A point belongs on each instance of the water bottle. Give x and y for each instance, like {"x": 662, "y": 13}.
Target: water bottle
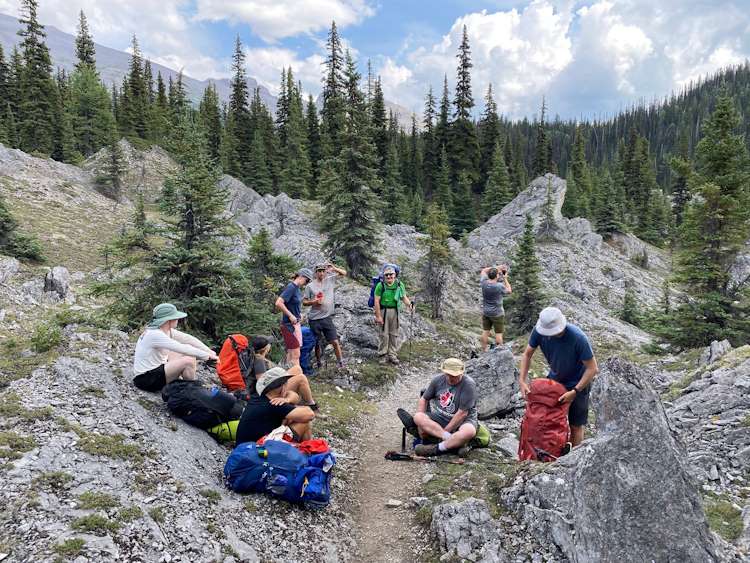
{"x": 214, "y": 391}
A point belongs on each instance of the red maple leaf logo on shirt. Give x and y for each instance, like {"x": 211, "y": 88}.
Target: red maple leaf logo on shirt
{"x": 446, "y": 399}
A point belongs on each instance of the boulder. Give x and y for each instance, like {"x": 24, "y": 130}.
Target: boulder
{"x": 496, "y": 376}
{"x": 57, "y": 281}
{"x": 466, "y": 530}
{"x": 624, "y": 495}
{"x": 8, "y": 267}
{"x": 715, "y": 351}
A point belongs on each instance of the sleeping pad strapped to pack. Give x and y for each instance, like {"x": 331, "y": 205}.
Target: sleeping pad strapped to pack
{"x": 280, "y": 470}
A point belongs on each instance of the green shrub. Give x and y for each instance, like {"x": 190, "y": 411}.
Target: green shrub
{"x": 71, "y": 548}
{"x": 157, "y": 514}
{"x": 724, "y": 519}
{"x": 129, "y": 514}
{"x": 96, "y": 524}
{"x": 92, "y": 500}
{"x": 46, "y": 337}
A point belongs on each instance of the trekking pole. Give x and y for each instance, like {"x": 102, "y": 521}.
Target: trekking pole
{"x": 411, "y": 328}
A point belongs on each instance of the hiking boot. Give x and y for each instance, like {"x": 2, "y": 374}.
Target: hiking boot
{"x": 382, "y": 360}
{"x": 427, "y": 450}
{"x": 463, "y": 451}
{"x": 394, "y": 360}
{"x": 408, "y": 421}
{"x": 566, "y": 449}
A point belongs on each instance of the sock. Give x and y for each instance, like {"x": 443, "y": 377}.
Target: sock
{"x": 441, "y": 447}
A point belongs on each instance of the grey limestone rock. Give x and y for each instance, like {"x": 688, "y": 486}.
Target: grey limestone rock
{"x": 57, "y": 281}
{"x": 715, "y": 351}
{"x": 636, "y": 455}
{"x": 8, "y": 267}
{"x": 496, "y": 376}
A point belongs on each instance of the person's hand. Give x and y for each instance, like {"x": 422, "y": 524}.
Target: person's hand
{"x": 278, "y": 401}
{"x": 525, "y": 389}
{"x": 379, "y": 320}
{"x": 567, "y": 397}
{"x": 212, "y": 356}
{"x": 292, "y": 319}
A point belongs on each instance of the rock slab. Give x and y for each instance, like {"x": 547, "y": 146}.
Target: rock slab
{"x": 496, "y": 376}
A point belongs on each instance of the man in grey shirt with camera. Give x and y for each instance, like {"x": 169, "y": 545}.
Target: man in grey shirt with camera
{"x": 493, "y": 290}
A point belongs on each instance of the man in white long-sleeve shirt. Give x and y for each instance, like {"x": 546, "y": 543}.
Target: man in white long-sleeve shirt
{"x": 163, "y": 353}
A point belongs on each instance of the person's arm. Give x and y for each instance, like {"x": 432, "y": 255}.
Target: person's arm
{"x": 378, "y": 316}
{"x": 506, "y": 283}
{"x": 291, "y": 398}
{"x": 592, "y": 368}
{"x": 339, "y": 271}
{"x": 160, "y": 340}
{"x": 281, "y": 306}
{"x": 299, "y": 414}
{"x": 456, "y": 421}
{"x": 524, "y": 372}
{"x": 483, "y": 274}
{"x": 405, "y": 298}
{"x": 185, "y": 338}
{"x": 309, "y": 298}
{"x": 422, "y": 405}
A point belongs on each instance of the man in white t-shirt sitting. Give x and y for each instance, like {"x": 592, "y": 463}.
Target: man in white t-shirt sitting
{"x": 164, "y": 354}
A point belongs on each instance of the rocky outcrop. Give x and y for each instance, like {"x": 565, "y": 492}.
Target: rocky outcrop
{"x": 8, "y": 267}
{"x": 57, "y": 282}
{"x": 496, "y": 376}
{"x": 606, "y": 500}
{"x": 715, "y": 351}
{"x": 466, "y": 530}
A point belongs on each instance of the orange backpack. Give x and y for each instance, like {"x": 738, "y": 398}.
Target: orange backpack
{"x": 235, "y": 362}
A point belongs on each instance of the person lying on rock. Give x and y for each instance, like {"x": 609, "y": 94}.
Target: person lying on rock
{"x": 297, "y": 386}
{"x": 164, "y": 354}
{"x": 494, "y": 284}
{"x": 273, "y": 406}
{"x": 452, "y": 417}
{"x": 571, "y": 362}
{"x": 319, "y": 296}
{"x": 290, "y": 304}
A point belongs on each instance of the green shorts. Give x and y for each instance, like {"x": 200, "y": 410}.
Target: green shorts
{"x": 498, "y": 323}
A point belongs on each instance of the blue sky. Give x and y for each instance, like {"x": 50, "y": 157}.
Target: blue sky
{"x": 588, "y": 58}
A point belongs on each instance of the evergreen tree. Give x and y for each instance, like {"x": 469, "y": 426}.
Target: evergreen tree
{"x": 629, "y": 312}
{"x": 527, "y": 293}
{"x": 329, "y": 183}
{"x": 15, "y": 243}
{"x": 417, "y": 209}
{"x": 37, "y": 99}
{"x": 239, "y": 137}
{"x": 333, "y": 114}
{"x": 463, "y": 142}
{"x": 393, "y": 200}
{"x": 443, "y": 124}
{"x": 210, "y": 121}
{"x": 542, "y": 162}
{"x": 258, "y": 174}
{"x": 443, "y": 191}
{"x": 90, "y": 110}
{"x": 85, "y": 50}
{"x": 608, "y": 214}
{"x": 63, "y": 141}
{"x": 547, "y": 223}
{"x": 314, "y": 149}
{"x": 296, "y": 173}
{"x": 430, "y": 161}
{"x": 715, "y": 226}
{"x": 148, "y": 79}
{"x": 497, "y": 193}
{"x": 437, "y": 258}
{"x": 349, "y": 214}
{"x": 489, "y": 135}
{"x": 666, "y": 300}
{"x": 463, "y": 218}
{"x": 680, "y": 189}
{"x": 581, "y": 176}
{"x": 159, "y": 119}
{"x": 110, "y": 181}
{"x": 135, "y": 104}
{"x": 379, "y": 128}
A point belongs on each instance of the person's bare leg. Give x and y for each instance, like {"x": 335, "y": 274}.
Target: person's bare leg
{"x": 427, "y": 426}
{"x": 300, "y": 385}
{"x": 460, "y": 437}
{"x": 292, "y": 357}
{"x": 337, "y": 349}
{"x": 576, "y": 434}
{"x": 499, "y": 338}
{"x": 178, "y": 365}
{"x": 485, "y": 339}
{"x": 303, "y": 430}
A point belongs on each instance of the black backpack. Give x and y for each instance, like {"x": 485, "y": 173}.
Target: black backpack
{"x": 201, "y": 407}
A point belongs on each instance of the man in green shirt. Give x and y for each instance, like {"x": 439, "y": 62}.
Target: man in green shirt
{"x": 389, "y": 294}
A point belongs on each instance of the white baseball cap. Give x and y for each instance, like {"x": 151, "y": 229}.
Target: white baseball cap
{"x": 551, "y": 321}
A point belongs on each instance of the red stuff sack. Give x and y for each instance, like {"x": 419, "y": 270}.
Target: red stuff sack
{"x": 235, "y": 362}
{"x": 544, "y": 429}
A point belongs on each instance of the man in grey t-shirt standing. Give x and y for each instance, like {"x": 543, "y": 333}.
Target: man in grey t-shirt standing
{"x": 452, "y": 418}
{"x": 493, "y": 314}
{"x": 319, "y": 296}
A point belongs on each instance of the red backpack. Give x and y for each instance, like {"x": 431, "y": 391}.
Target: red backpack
{"x": 235, "y": 362}
{"x": 544, "y": 429}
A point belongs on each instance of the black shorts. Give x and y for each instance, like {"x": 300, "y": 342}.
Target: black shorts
{"x": 578, "y": 415}
{"x": 324, "y": 328}
{"x": 152, "y": 380}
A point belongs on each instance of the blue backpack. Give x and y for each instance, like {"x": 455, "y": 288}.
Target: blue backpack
{"x": 306, "y": 352}
{"x": 281, "y": 470}
{"x": 377, "y": 279}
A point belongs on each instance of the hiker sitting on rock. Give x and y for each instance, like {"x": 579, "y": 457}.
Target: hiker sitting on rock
{"x": 571, "y": 361}
{"x": 298, "y": 385}
{"x": 272, "y": 407}
{"x": 319, "y": 296}
{"x": 452, "y": 417}
{"x": 163, "y": 353}
{"x": 494, "y": 283}
{"x": 389, "y": 294}
{"x": 290, "y": 304}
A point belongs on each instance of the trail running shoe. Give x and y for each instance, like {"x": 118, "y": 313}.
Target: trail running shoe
{"x": 408, "y": 421}
{"x": 427, "y": 450}
{"x": 463, "y": 451}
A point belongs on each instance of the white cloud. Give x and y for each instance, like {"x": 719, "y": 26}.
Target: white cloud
{"x": 275, "y": 19}
{"x": 265, "y": 64}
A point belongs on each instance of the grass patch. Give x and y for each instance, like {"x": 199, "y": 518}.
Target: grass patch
{"x": 687, "y": 360}
{"x": 342, "y": 410}
{"x": 724, "y": 518}
{"x": 109, "y": 446}
{"x": 372, "y": 374}
{"x": 129, "y": 514}
{"x": 71, "y": 548}
{"x": 13, "y": 366}
{"x": 421, "y": 352}
{"x": 13, "y": 445}
{"x": 145, "y": 483}
{"x": 424, "y": 516}
{"x": 157, "y": 514}
{"x": 46, "y": 336}
{"x": 97, "y": 392}
{"x": 91, "y": 500}
{"x": 250, "y": 506}
{"x": 95, "y": 524}
{"x": 676, "y": 388}
{"x": 211, "y": 495}
{"x": 11, "y": 407}
{"x": 53, "y": 480}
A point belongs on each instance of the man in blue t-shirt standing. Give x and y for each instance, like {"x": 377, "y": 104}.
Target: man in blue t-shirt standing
{"x": 290, "y": 304}
{"x": 571, "y": 361}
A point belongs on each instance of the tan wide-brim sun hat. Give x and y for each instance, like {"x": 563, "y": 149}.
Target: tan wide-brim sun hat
{"x": 452, "y": 366}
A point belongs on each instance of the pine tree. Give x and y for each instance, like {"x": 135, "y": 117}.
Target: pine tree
{"x": 443, "y": 124}
{"x": 430, "y": 161}
{"x": 349, "y": 214}
{"x": 329, "y": 183}
{"x": 15, "y": 243}
{"x": 393, "y": 200}
{"x": 210, "y": 121}
{"x": 258, "y": 174}
{"x": 680, "y": 165}
{"x": 608, "y": 214}
{"x": 463, "y": 142}
{"x": 629, "y": 312}
{"x": 296, "y": 172}
{"x": 333, "y": 114}
{"x": 497, "y": 193}
{"x": 85, "y": 50}
{"x": 379, "y": 128}
{"x": 135, "y": 105}
{"x": 90, "y": 110}
{"x": 148, "y": 80}
{"x": 63, "y": 140}
{"x": 715, "y": 226}
{"x": 580, "y": 173}
{"x": 489, "y": 135}
{"x": 159, "y": 116}
{"x": 417, "y": 209}
{"x": 666, "y": 300}
{"x": 37, "y": 93}
{"x": 314, "y": 149}
{"x": 547, "y": 223}
{"x": 110, "y": 181}
{"x": 463, "y": 218}
{"x": 527, "y": 293}
{"x": 437, "y": 259}
{"x": 239, "y": 134}
{"x": 443, "y": 191}
{"x": 542, "y": 147}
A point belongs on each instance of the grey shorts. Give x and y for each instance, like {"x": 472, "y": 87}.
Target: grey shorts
{"x": 443, "y": 423}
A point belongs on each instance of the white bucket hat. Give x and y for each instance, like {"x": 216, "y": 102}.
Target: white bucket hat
{"x": 551, "y": 321}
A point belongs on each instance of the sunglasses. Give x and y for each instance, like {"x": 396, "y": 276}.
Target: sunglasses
{"x": 389, "y": 275}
